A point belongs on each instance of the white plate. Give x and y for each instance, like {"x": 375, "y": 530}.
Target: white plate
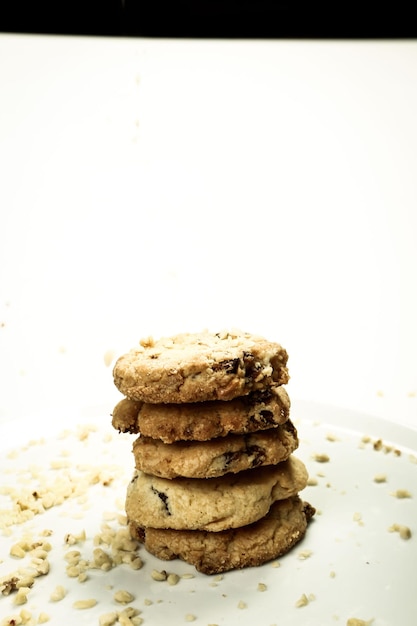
{"x": 356, "y": 568}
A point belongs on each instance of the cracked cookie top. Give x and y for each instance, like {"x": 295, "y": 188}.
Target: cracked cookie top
{"x": 198, "y": 367}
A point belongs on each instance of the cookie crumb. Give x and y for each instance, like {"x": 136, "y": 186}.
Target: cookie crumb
{"x": 404, "y": 531}
{"x": 22, "y": 596}
{"x": 26, "y": 617}
{"x": 9, "y": 585}
{"x": 129, "y": 617}
{"x": 173, "y": 579}
{"x": 302, "y": 601}
{"x": 159, "y": 575}
{"x": 123, "y": 597}
{"x": 43, "y": 618}
{"x": 380, "y": 478}
{"x": 242, "y": 605}
{"x": 331, "y": 437}
{"x": 147, "y": 342}
{"x": 73, "y": 571}
{"x": 17, "y": 550}
{"x": 58, "y": 594}
{"x": 305, "y": 554}
{"x": 379, "y": 445}
{"x": 190, "y": 617}
{"x": 108, "y": 357}
{"x": 262, "y": 587}
{"x": 401, "y": 493}
{"x": 312, "y": 482}
{"x": 84, "y": 604}
{"x": 354, "y": 621}
{"x": 321, "y": 458}
{"x": 102, "y": 560}
{"x": 108, "y": 619}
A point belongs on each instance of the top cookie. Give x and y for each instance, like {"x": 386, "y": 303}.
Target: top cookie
{"x": 200, "y": 367}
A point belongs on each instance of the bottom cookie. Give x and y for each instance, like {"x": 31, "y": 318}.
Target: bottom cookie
{"x": 248, "y": 546}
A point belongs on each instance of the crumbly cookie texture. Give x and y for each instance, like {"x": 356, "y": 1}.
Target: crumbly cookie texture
{"x": 200, "y": 421}
{"x": 200, "y": 367}
{"x": 212, "y": 504}
{"x": 125, "y": 416}
{"x": 214, "y": 552}
{"x": 216, "y": 457}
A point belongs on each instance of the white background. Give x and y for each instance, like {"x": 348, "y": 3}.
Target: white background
{"x": 149, "y": 187}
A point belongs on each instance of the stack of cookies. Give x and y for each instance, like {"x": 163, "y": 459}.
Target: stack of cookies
{"x": 215, "y": 480}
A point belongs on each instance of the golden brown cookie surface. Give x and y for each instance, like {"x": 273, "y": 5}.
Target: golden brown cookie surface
{"x": 197, "y": 367}
{"x": 212, "y": 503}
{"x": 200, "y": 421}
{"x": 214, "y": 552}
{"x": 216, "y": 457}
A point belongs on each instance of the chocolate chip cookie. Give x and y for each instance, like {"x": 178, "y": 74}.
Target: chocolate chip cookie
{"x": 214, "y": 552}
{"x": 212, "y": 504}
{"x": 200, "y": 367}
{"x": 200, "y": 421}
{"x": 216, "y": 457}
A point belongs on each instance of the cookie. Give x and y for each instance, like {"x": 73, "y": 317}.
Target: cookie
{"x": 125, "y": 416}
{"x": 200, "y": 421}
{"x": 214, "y": 552}
{"x": 216, "y": 457}
{"x": 212, "y": 503}
{"x": 200, "y": 367}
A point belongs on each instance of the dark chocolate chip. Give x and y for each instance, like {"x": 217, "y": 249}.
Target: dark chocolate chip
{"x": 264, "y": 418}
{"x": 139, "y": 533}
{"x": 163, "y": 496}
{"x": 258, "y": 455}
{"x": 252, "y": 367}
{"x": 290, "y": 428}
{"x": 230, "y": 366}
{"x": 255, "y": 451}
{"x": 230, "y": 457}
{"x": 257, "y": 397}
{"x": 267, "y": 417}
